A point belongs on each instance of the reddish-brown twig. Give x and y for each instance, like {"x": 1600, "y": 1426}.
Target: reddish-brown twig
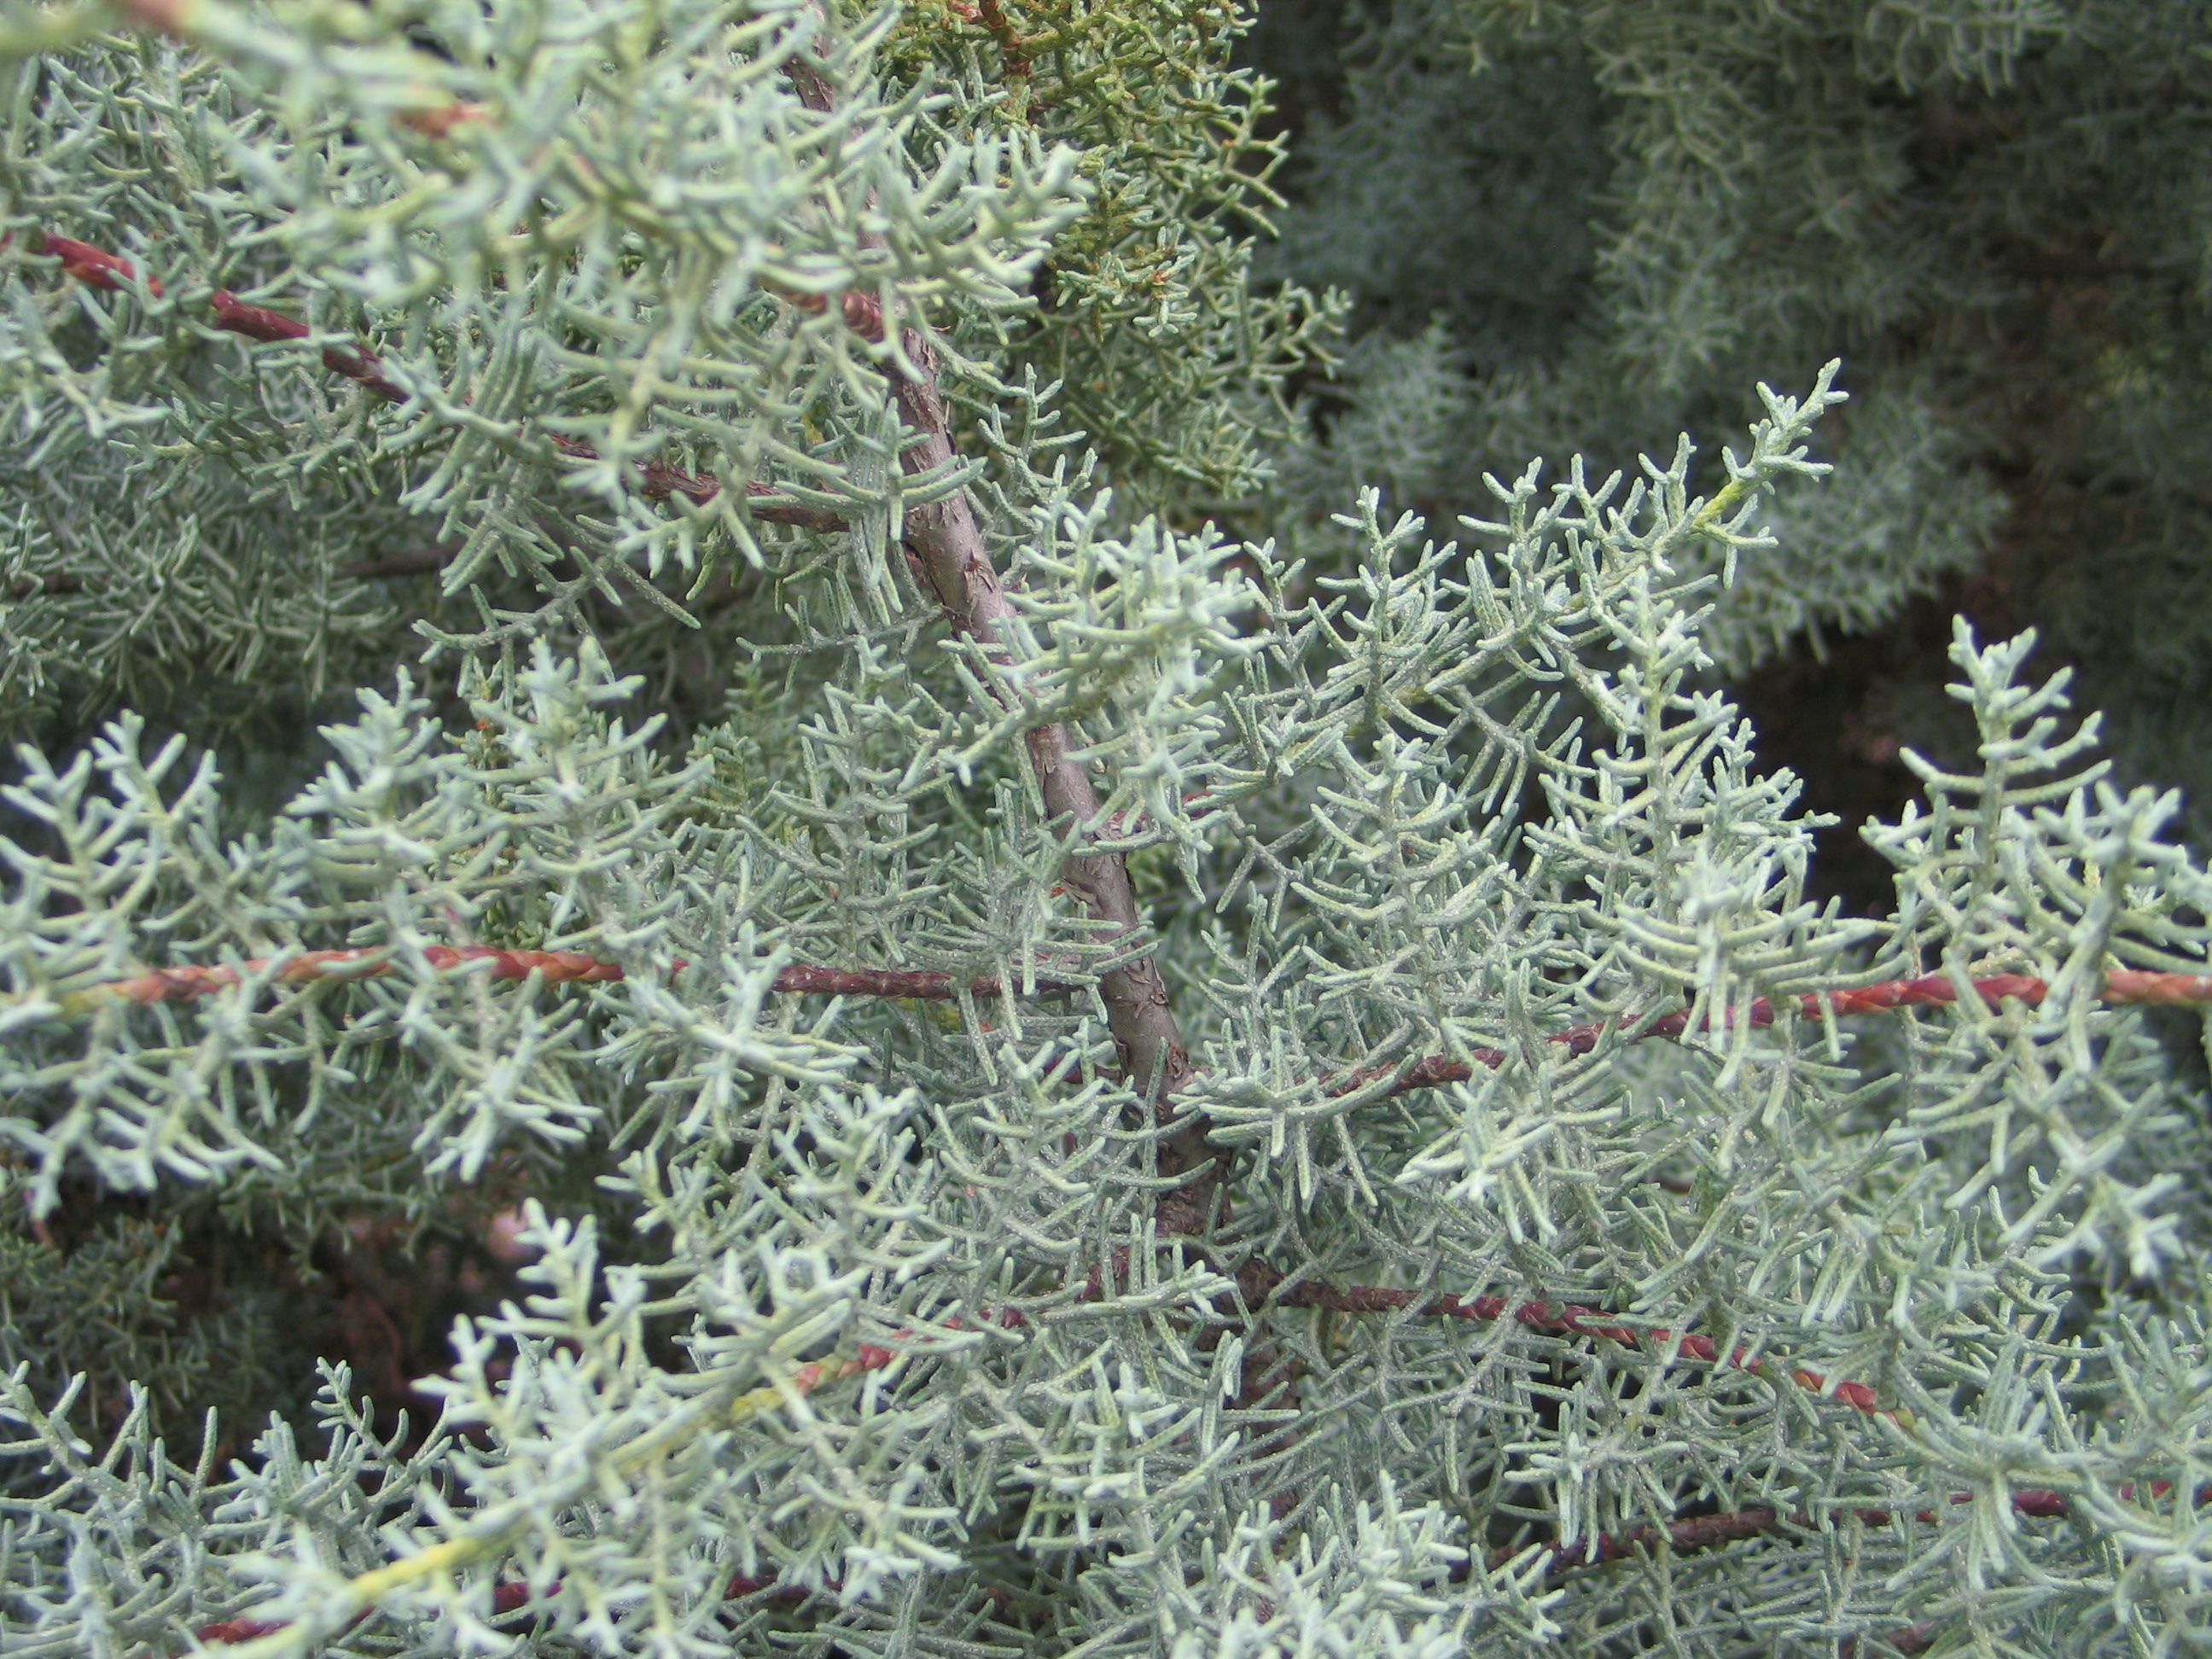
{"x": 657, "y": 481}
{"x": 1432, "y": 1071}
{"x": 1557, "y": 1319}
{"x": 1931, "y": 991}
{"x": 273, "y": 328}
{"x": 97, "y": 268}
{"x": 898, "y": 983}
{"x": 1013, "y": 47}
{"x": 1701, "y": 1532}
{"x": 182, "y": 984}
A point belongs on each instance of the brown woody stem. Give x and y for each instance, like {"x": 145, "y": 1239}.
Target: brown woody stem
{"x": 1429, "y": 1071}
{"x": 97, "y": 268}
{"x": 947, "y": 542}
{"x": 182, "y": 984}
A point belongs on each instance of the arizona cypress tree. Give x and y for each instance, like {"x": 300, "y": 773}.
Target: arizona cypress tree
{"x": 958, "y": 1061}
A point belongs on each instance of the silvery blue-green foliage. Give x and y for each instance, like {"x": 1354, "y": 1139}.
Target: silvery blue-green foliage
{"x": 584, "y": 241}
{"x": 1977, "y": 204}
{"x": 1401, "y": 856}
{"x": 111, "y": 593}
{"x": 847, "y": 1324}
{"x": 1690, "y": 218}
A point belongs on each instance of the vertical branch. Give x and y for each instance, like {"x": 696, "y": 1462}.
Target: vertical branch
{"x": 948, "y": 546}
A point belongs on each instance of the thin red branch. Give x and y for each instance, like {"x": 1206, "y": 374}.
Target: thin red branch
{"x": 657, "y": 481}
{"x": 97, "y": 268}
{"x": 1432, "y": 1071}
{"x": 94, "y": 267}
{"x": 1703, "y": 1532}
{"x": 182, "y": 984}
{"x": 1560, "y": 1319}
{"x": 273, "y": 328}
{"x": 1932, "y": 991}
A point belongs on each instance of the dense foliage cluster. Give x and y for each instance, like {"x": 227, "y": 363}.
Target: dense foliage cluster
{"x": 935, "y": 988}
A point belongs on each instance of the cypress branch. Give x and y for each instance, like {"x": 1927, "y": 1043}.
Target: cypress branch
{"x": 656, "y": 481}
{"x": 1090, "y": 1324}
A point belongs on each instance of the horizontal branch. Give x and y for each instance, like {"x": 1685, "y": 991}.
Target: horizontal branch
{"x": 192, "y": 981}
{"x": 97, "y": 268}
{"x": 897, "y": 983}
{"x": 1703, "y": 1532}
{"x": 1683, "y": 1535}
{"x": 1432, "y": 1071}
{"x": 657, "y": 481}
{"x": 1555, "y": 1319}
{"x": 182, "y": 984}
{"x": 1932, "y": 991}
{"x": 554, "y": 968}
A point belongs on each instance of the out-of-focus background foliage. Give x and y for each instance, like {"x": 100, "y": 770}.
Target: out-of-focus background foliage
{"x": 1587, "y": 225}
